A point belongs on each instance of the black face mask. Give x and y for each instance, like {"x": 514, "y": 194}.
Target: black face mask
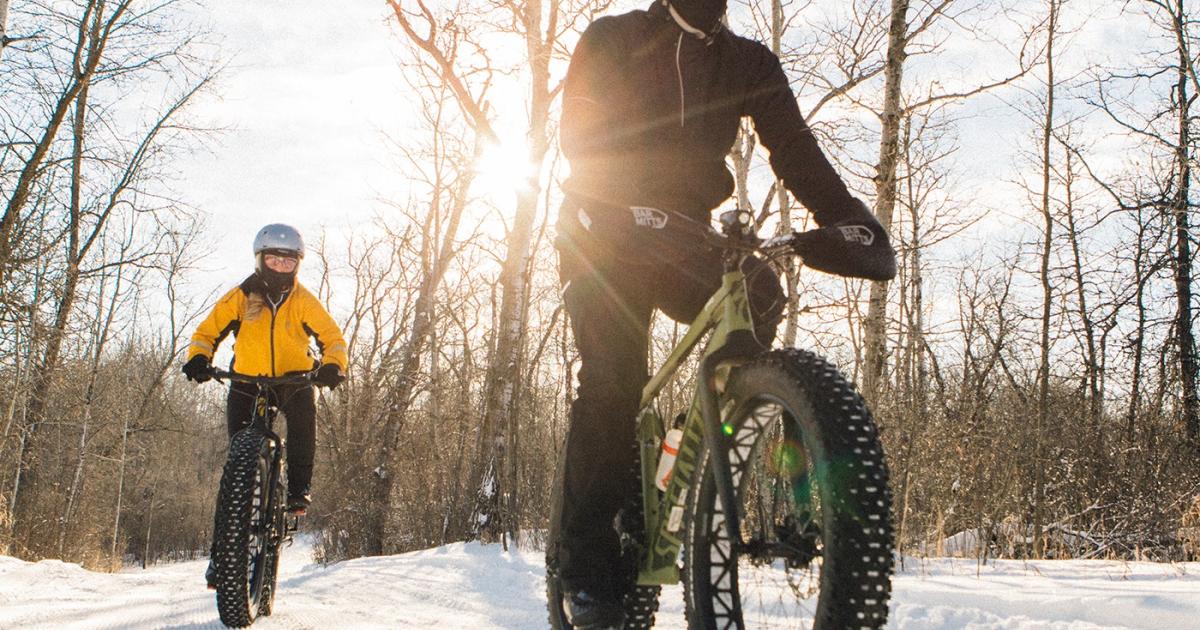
{"x": 704, "y": 15}
{"x": 277, "y": 282}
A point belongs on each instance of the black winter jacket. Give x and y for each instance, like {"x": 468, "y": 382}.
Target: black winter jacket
{"x": 650, "y": 113}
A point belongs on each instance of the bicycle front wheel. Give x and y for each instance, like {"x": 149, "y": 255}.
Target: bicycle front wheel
{"x": 812, "y": 495}
{"x": 275, "y": 534}
{"x": 241, "y": 534}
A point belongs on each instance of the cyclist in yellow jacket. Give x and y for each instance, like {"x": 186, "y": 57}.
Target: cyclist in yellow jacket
{"x": 272, "y": 317}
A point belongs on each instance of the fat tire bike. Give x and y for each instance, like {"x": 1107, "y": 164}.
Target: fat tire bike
{"x": 250, "y": 525}
{"x": 777, "y": 508}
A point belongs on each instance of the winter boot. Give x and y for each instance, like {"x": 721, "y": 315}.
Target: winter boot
{"x": 298, "y": 500}
{"x": 593, "y": 609}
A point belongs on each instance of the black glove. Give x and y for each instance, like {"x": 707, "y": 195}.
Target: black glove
{"x": 641, "y": 234}
{"x": 198, "y": 369}
{"x": 856, "y": 246}
{"x": 329, "y": 375}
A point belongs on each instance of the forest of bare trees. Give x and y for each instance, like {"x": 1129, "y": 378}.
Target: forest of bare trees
{"x": 1033, "y": 366}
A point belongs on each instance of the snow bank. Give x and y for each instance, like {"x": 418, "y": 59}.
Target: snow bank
{"x": 473, "y": 586}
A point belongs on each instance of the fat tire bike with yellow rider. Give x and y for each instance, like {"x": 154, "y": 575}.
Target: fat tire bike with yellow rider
{"x": 250, "y": 525}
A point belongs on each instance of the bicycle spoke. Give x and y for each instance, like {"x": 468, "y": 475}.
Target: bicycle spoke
{"x": 813, "y": 547}
{"x": 775, "y": 587}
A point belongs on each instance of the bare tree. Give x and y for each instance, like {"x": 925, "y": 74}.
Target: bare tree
{"x": 81, "y": 238}
{"x": 902, "y": 42}
{"x": 539, "y": 26}
{"x": 1185, "y": 142}
{"x": 1167, "y": 130}
{"x": 1043, "y": 404}
{"x": 70, "y": 200}
{"x": 885, "y": 189}
{"x": 449, "y": 180}
{"x": 94, "y": 29}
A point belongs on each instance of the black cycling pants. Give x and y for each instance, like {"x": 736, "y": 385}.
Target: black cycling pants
{"x": 610, "y": 302}
{"x": 298, "y": 405}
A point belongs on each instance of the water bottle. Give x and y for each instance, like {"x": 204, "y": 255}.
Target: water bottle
{"x": 666, "y": 459}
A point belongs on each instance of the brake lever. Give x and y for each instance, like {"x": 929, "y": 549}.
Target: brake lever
{"x": 792, "y": 243}
{"x": 783, "y": 241}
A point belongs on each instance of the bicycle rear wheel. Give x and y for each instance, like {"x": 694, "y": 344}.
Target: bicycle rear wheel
{"x": 640, "y": 602}
{"x": 241, "y": 536}
{"x": 813, "y": 500}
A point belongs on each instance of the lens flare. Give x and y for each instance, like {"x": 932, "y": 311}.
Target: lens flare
{"x": 786, "y": 458}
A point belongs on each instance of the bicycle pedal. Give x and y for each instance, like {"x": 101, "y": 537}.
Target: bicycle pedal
{"x": 290, "y": 526}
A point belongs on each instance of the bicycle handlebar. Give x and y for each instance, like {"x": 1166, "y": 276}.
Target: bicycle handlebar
{"x": 287, "y": 379}
{"x": 740, "y": 236}
{"x": 849, "y": 250}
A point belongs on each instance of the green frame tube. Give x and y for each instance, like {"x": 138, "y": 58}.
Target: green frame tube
{"x": 727, "y": 310}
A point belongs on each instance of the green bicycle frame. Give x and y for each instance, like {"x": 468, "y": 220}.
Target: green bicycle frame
{"x": 727, "y": 311}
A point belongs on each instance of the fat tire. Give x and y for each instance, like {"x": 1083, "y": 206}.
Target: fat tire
{"x": 640, "y": 601}
{"x": 824, "y": 413}
{"x": 266, "y": 600}
{"x": 238, "y": 593}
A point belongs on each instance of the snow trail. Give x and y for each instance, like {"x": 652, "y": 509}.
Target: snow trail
{"x": 474, "y": 586}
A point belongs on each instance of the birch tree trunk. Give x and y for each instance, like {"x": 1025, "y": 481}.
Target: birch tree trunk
{"x": 1189, "y": 366}
{"x": 504, "y": 371}
{"x": 43, "y": 378}
{"x": 875, "y": 324}
{"x": 791, "y": 269}
{"x": 741, "y": 154}
{"x": 3, "y": 27}
{"x": 1043, "y": 380}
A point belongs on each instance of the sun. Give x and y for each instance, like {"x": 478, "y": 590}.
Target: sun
{"x": 502, "y": 170}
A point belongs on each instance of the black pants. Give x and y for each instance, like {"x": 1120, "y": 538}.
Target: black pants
{"x": 297, "y": 403}
{"x": 610, "y": 300}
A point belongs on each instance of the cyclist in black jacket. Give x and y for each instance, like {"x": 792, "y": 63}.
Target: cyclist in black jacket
{"x": 651, "y": 107}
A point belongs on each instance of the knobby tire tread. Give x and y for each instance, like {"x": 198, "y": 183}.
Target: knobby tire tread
{"x": 235, "y": 603}
{"x": 857, "y": 563}
{"x": 640, "y": 602}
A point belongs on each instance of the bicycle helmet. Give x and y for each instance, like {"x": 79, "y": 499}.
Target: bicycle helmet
{"x": 282, "y": 240}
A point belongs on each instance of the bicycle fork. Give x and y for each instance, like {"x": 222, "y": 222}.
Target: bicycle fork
{"x": 281, "y": 528}
{"x": 732, "y": 342}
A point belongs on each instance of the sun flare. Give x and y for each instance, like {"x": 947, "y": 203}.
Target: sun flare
{"x": 502, "y": 170}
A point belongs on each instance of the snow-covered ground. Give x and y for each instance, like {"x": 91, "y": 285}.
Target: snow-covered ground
{"x": 473, "y": 586}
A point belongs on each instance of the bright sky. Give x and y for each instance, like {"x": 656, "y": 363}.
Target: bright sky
{"x": 311, "y": 90}
{"x": 314, "y": 87}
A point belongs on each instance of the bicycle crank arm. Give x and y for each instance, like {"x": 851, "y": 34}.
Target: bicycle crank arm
{"x": 763, "y": 551}
{"x": 290, "y": 525}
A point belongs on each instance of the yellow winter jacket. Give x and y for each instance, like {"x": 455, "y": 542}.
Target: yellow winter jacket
{"x": 271, "y": 341}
